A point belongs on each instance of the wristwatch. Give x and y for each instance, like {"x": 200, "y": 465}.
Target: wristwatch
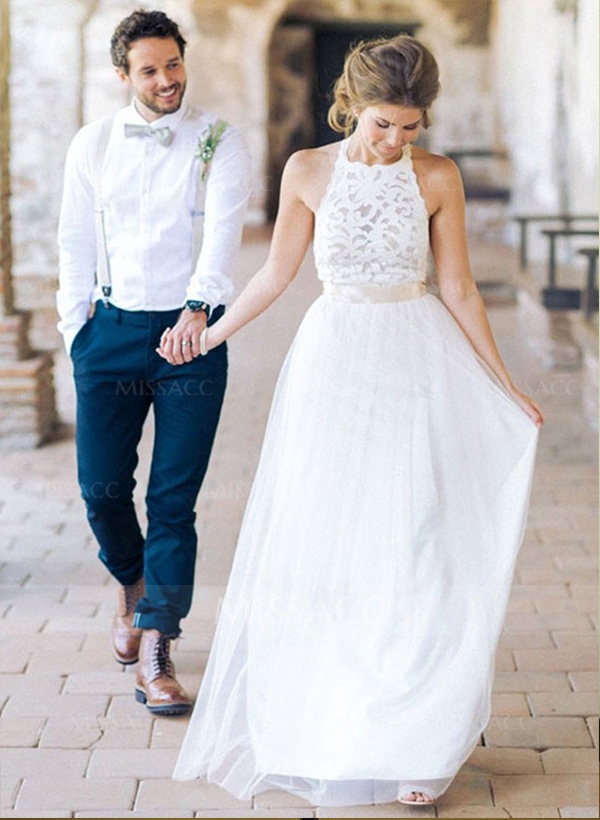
{"x": 196, "y": 306}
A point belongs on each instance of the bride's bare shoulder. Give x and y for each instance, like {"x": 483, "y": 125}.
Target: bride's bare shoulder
{"x": 438, "y": 177}
{"x": 313, "y": 160}
{"x": 309, "y": 171}
{"x": 434, "y": 167}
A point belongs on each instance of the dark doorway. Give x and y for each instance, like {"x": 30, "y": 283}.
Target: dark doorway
{"x": 306, "y": 57}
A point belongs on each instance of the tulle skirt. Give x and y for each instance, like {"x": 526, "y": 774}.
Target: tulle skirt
{"x": 354, "y": 654}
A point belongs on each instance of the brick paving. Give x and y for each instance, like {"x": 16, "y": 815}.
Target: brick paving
{"x": 76, "y": 744}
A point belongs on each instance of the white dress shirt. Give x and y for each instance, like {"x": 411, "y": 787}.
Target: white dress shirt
{"x": 149, "y": 194}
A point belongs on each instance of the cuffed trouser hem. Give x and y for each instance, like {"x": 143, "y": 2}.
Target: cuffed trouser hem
{"x": 164, "y": 625}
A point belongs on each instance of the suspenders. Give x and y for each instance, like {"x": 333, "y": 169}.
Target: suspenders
{"x": 103, "y": 263}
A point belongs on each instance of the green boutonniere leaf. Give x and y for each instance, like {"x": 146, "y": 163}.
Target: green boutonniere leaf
{"x": 207, "y": 144}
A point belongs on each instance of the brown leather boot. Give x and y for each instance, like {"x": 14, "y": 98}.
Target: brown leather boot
{"x": 125, "y": 636}
{"x": 156, "y": 685}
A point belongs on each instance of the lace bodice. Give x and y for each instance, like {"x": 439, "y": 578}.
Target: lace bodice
{"x": 371, "y": 226}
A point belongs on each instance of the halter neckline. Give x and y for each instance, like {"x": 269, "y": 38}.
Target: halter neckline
{"x": 406, "y": 154}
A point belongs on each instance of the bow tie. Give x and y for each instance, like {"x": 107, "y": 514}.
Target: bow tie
{"x": 164, "y": 135}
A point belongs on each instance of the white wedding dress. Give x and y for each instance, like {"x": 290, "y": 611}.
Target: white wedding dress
{"x": 354, "y": 654}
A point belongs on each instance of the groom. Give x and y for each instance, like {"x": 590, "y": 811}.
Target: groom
{"x": 137, "y": 257}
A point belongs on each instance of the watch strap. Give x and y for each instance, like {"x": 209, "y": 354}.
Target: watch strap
{"x": 196, "y": 306}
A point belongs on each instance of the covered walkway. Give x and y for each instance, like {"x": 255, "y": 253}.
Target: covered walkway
{"x": 76, "y": 744}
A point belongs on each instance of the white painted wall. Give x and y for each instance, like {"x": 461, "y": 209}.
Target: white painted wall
{"x": 545, "y": 75}
{"x": 582, "y": 101}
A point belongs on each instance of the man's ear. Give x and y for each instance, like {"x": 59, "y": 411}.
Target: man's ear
{"x": 122, "y": 75}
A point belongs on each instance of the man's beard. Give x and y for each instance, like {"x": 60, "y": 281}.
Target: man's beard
{"x": 154, "y": 103}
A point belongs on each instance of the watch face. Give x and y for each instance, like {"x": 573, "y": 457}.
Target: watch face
{"x": 195, "y": 306}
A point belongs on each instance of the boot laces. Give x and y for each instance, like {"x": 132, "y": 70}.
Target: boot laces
{"x": 161, "y": 660}
{"x": 133, "y": 593}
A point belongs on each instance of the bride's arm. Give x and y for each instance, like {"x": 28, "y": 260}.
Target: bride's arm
{"x": 458, "y": 290}
{"x": 291, "y": 237}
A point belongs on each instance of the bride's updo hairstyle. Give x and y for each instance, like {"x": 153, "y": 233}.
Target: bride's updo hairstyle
{"x": 396, "y": 71}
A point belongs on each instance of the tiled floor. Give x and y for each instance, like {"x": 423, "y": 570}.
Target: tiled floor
{"x": 74, "y": 741}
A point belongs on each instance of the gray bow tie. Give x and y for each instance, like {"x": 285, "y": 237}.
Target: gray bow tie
{"x": 164, "y": 135}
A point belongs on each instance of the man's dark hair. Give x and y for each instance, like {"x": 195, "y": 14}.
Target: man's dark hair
{"x": 138, "y": 25}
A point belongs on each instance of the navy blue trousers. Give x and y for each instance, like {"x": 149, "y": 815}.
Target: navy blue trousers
{"x": 118, "y": 377}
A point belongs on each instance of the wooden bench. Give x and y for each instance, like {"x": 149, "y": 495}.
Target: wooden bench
{"x": 565, "y": 221}
{"x": 559, "y": 298}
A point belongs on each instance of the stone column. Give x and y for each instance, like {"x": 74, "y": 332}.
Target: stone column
{"x": 6, "y": 285}
{"x": 27, "y": 406}
{"x": 47, "y": 97}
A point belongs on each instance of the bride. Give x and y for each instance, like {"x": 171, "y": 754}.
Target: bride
{"x": 354, "y": 654}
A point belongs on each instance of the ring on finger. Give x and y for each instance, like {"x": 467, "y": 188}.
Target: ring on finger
{"x": 185, "y": 343}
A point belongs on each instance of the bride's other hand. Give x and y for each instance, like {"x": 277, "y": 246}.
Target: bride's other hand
{"x": 527, "y": 404}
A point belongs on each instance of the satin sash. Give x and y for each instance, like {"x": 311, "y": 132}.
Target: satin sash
{"x": 373, "y": 294}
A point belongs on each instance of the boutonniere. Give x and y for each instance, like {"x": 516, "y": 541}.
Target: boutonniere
{"x": 207, "y": 144}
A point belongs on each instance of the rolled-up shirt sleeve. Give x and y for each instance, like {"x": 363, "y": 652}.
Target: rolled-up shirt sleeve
{"x": 76, "y": 240}
{"x": 227, "y": 193}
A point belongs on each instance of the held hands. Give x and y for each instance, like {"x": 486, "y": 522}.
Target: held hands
{"x": 181, "y": 343}
{"x": 527, "y": 405}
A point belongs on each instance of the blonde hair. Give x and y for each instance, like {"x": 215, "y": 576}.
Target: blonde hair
{"x": 396, "y": 71}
